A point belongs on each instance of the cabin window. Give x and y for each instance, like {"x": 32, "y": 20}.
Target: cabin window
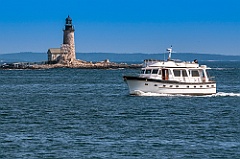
{"x": 154, "y": 71}
{"x": 160, "y": 72}
{"x": 195, "y": 73}
{"x": 177, "y": 73}
{"x": 207, "y": 74}
{"x": 184, "y": 73}
{"x": 148, "y": 71}
{"x": 143, "y": 71}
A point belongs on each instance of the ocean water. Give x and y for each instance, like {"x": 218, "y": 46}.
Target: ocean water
{"x": 84, "y": 113}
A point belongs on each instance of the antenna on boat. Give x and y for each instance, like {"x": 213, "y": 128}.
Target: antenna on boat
{"x": 169, "y": 50}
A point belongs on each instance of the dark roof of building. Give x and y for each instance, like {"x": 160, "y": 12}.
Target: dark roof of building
{"x": 54, "y": 50}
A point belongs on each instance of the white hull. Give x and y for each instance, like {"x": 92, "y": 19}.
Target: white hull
{"x": 137, "y": 85}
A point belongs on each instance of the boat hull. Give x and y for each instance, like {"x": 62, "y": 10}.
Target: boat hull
{"x": 138, "y": 85}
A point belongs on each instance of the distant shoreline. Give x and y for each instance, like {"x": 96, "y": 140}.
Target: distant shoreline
{"x": 118, "y": 57}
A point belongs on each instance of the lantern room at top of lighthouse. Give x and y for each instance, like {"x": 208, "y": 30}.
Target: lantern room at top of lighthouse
{"x": 68, "y": 25}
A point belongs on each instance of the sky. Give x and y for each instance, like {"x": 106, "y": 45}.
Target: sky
{"x": 122, "y": 26}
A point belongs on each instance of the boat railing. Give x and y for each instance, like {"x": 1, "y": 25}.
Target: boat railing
{"x": 148, "y": 62}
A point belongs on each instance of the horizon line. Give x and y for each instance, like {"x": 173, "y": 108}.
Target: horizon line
{"x": 125, "y": 53}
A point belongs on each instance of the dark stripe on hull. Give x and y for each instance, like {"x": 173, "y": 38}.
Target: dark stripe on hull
{"x": 164, "y": 81}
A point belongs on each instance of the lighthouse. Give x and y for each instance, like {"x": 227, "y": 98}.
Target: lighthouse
{"x": 68, "y": 46}
{"x": 66, "y": 53}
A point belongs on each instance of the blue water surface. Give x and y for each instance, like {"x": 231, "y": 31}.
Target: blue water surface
{"x": 88, "y": 113}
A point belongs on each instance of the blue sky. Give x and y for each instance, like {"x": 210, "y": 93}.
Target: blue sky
{"x": 122, "y": 26}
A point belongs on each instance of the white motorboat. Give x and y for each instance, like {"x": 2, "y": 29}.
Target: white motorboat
{"x": 171, "y": 77}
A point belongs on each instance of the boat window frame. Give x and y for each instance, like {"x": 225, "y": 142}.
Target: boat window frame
{"x": 179, "y": 71}
{"x": 184, "y": 73}
{"x": 202, "y": 74}
{"x": 148, "y": 71}
{"x": 194, "y": 70}
{"x": 207, "y": 73}
{"x": 159, "y": 72}
{"x": 154, "y": 71}
{"x": 143, "y": 71}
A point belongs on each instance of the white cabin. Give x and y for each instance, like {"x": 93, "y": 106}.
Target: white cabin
{"x": 189, "y": 72}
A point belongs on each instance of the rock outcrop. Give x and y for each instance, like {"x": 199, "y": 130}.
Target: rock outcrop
{"x": 87, "y": 65}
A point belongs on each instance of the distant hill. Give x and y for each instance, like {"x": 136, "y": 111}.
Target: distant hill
{"x": 139, "y": 57}
{"x": 116, "y": 57}
{"x": 23, "y": 57}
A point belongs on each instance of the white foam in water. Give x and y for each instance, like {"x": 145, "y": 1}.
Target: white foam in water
{"x": 222, "y": 68}
{"x": 219, "y": 94}
{"x": 140, "y": 93}
{"x": 223, "y": 94}
{"x": 156, "y": 94}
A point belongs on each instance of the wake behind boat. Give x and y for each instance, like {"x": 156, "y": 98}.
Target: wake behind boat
{"x": 171, "y": 77}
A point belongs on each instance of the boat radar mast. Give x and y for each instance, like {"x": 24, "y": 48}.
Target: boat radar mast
{"x": 169, "y": 50}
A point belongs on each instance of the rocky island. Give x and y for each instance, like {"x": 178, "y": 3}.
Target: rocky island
{"x": 85, "y": 65}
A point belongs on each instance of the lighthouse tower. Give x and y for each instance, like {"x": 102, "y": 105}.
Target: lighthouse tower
{"x": 68, "y": 46}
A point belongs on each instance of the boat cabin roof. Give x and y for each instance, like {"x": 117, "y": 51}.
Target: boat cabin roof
{"x": 170, "y": 64}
